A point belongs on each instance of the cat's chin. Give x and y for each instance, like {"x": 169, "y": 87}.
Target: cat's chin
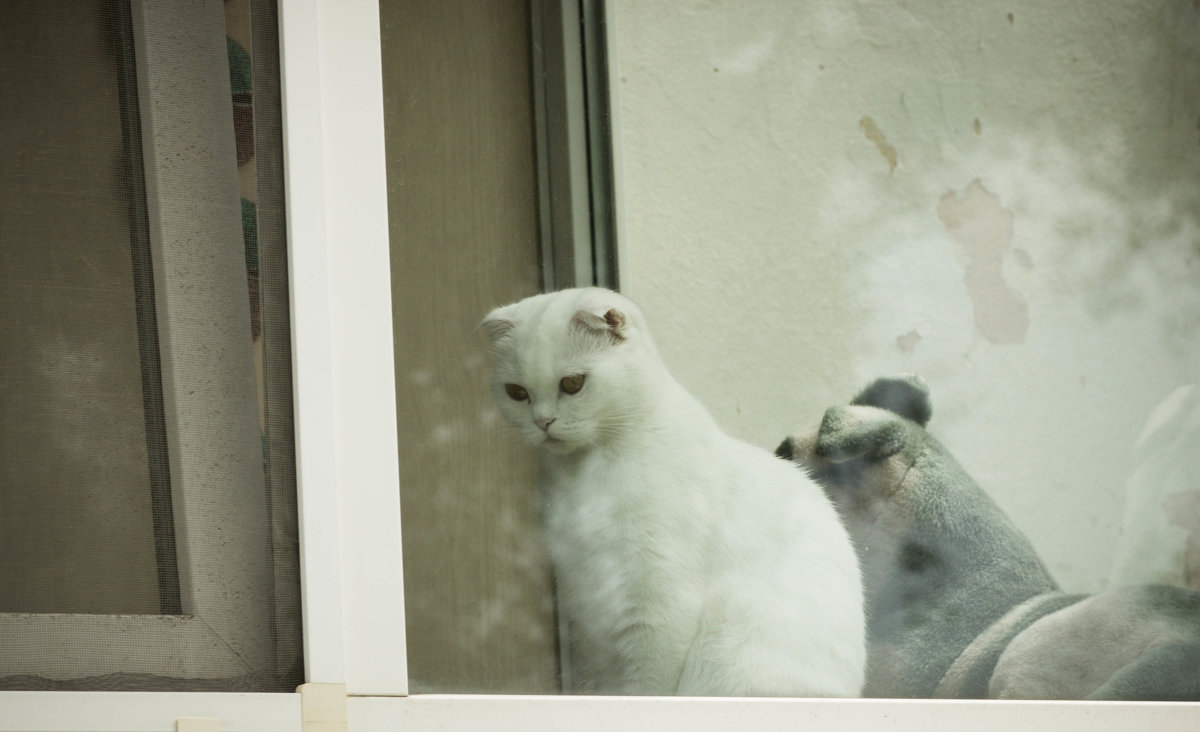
{"x": 555, "y": 446}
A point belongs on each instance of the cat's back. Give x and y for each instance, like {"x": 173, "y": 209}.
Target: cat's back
{"x": 783, "y": 613}
{"x": 777, "y": 515}
{"x": 749, "y": 560}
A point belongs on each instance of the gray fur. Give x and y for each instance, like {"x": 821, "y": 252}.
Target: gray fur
{"x": 959, "y": 604}
{"x": 971, "y": 674}
{"x": 1165, "y": 673}
{"x": 1118, "y": 643}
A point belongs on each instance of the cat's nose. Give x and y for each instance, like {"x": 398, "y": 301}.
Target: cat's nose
{"x": 544, "y": 422}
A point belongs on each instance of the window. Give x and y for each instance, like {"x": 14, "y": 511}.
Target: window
{"x": 458, "y": 575}
{"x": 149, "y": 538}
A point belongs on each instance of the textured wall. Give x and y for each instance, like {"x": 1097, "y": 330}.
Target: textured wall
{"x": 1002, "y": 198}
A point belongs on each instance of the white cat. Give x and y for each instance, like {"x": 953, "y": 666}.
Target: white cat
{"x": 687, "y": 562}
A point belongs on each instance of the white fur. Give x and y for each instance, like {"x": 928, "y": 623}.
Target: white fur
{"x": 1160, "y": 535}
{"x": 687, "y": 562}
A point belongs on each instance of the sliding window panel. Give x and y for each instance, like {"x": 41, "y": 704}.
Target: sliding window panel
{"x": 192, "y": 411}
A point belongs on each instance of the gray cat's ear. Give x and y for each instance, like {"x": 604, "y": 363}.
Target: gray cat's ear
{"x": 906, "y": 395}
{"x": 611, "y": 322}
{"x": 496, "y": 325}
{"x": 851, "y": 432}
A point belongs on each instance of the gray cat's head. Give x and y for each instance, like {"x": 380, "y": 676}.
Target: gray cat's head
{"x": 570, "y": 366}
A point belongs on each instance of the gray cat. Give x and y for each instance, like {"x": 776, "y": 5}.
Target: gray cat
{"x": 958, "y": 603}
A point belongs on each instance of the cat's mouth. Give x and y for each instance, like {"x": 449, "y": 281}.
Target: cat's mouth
{"x": 557, "y": 444}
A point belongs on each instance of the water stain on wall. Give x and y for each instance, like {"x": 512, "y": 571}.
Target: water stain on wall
{"x": 908, "y": 342}
{"x": 983, "y": 230}
{"x": 875, "y": 135}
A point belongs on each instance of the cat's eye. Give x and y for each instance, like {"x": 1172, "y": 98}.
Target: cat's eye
{"x": 516, "y": 392}
{"x": 572, "y": 384}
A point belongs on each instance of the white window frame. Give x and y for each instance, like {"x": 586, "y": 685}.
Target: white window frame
{"x": 348, "y": 475}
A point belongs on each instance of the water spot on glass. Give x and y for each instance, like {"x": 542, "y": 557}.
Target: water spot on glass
{"x": 474, "y": 362}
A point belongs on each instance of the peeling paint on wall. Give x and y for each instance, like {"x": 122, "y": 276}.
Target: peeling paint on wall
{"x": 875, "y": 135}
{"x": 983, "y": 230}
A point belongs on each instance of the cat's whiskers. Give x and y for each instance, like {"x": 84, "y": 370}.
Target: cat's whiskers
{"x": 616, "y": 425}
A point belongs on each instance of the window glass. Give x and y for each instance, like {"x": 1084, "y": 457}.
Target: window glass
{"x": 1001, "y": 199}
{"x": 1010, "y": 212}
{"x": 814, "y": 196}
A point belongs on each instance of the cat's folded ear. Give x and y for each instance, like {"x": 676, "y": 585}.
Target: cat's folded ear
{"x": 496, "y": 325}
{"x": 906, "y": 395}
{"x": 609, "y": 322}
{"x": 852, "y": 432}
